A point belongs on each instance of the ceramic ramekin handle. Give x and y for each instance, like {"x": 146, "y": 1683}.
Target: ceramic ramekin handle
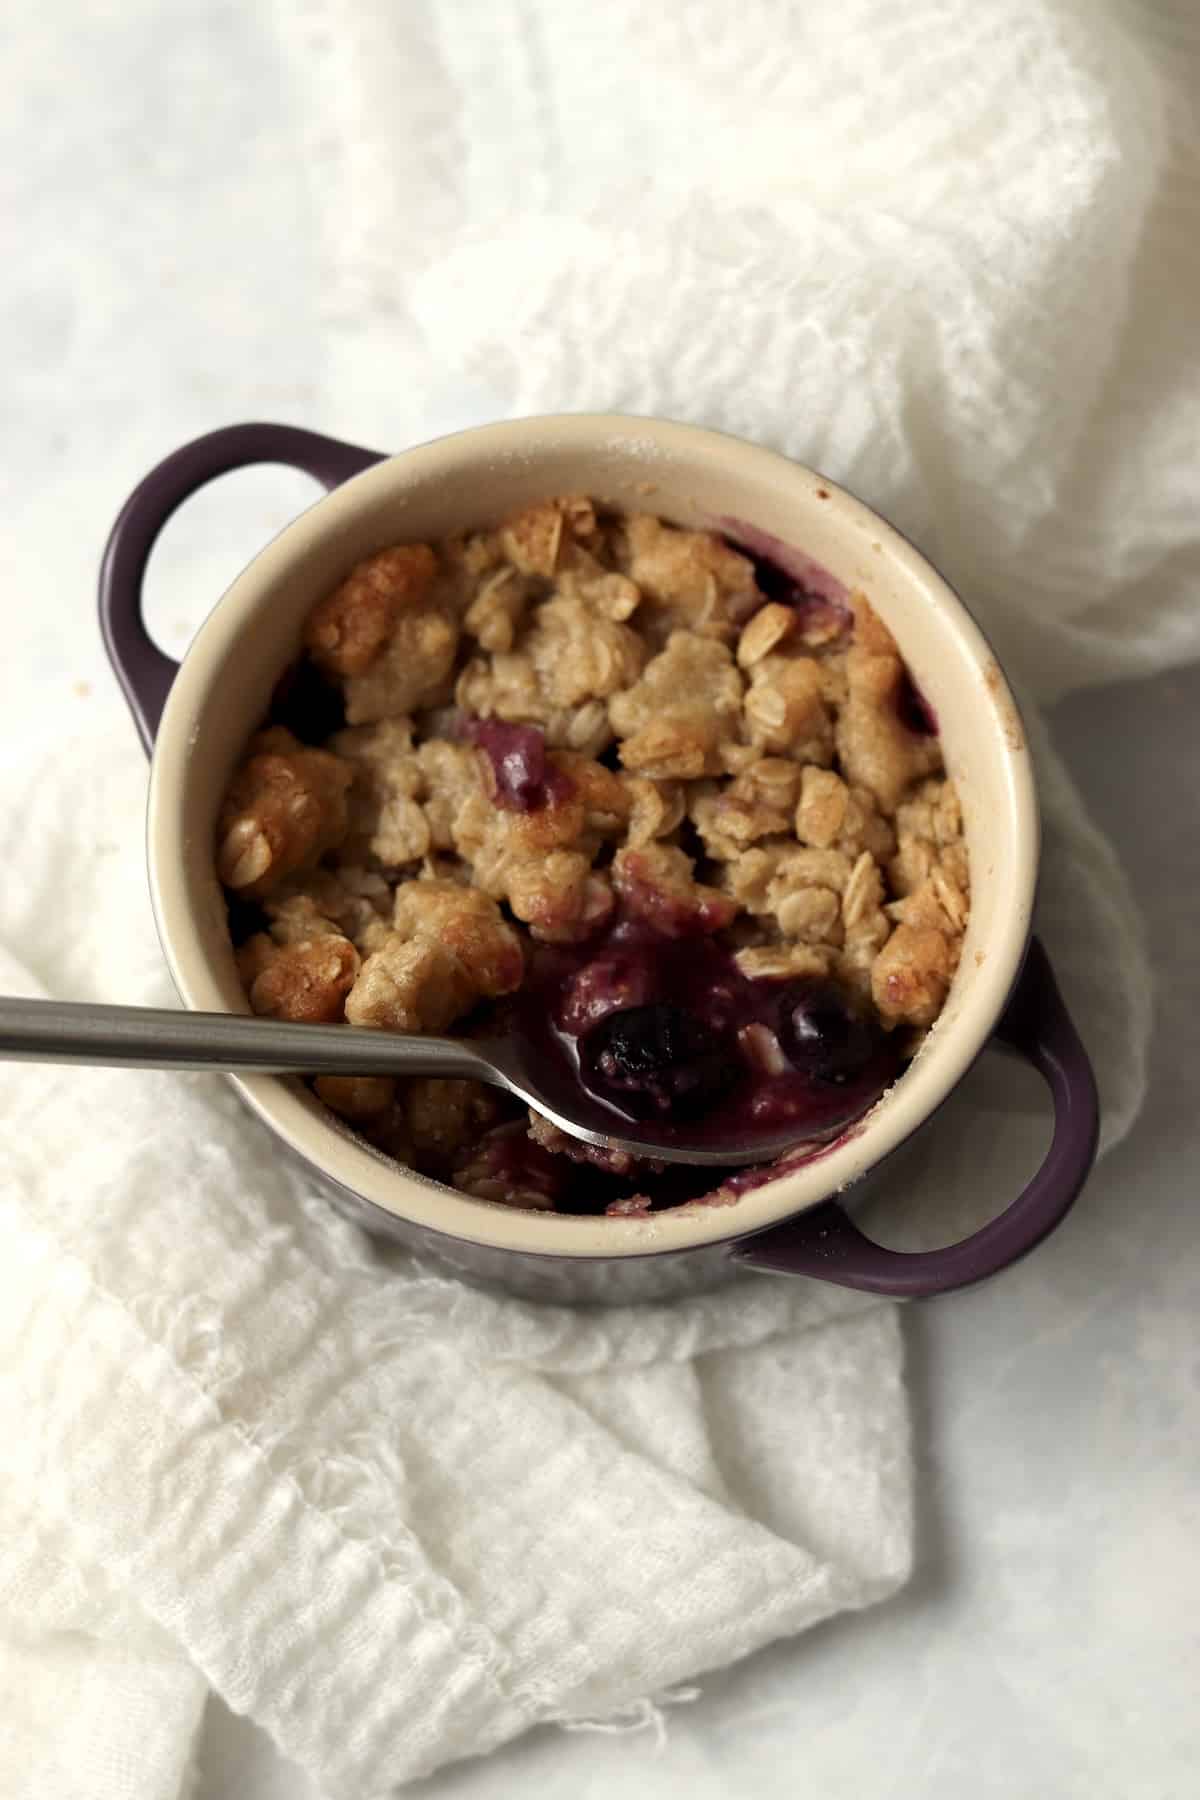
{"x": 826, "y": 1242}
{"x": 143, "y": 671}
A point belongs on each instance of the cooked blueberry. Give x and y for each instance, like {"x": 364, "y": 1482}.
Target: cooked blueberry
{"x": 525, "y": 780}
{"x": 822, "y": 1035}
{"x": 657, "y": 1060}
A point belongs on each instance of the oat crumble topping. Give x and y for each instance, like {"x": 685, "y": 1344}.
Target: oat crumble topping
{"x": 602, "y": 747}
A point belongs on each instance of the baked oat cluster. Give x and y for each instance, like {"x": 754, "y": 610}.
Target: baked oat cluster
{"x": 575, "y": 720}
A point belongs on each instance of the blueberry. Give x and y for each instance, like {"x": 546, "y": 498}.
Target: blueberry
{"x": 526, "y": 780}
{"x": 657, "y": 1060}
{"x": 822, "y": 1035}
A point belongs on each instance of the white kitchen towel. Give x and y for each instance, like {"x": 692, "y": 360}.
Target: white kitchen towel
{"x": 393, "y": 1520}
{"x": 947, "y": 254}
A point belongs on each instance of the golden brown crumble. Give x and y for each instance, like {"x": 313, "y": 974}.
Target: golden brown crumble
{"x": 444, "y": 1118}
{"x": 285, "y": 806}
{"x": 347, "y": 630}
{"x": 672, "y": 721}
{"x": 689, "y": 579}
{"x": 356, "y": 1097}
{"x": 387, "y": 633}
{"x": 308, "y": 980}
{"x": 706, "y": 758}
{"x": 448, "y": 948}
{"x": 876, "y": 749}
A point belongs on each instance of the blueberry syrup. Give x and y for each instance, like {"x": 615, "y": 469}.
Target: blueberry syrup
{"x": 816, "y": 614}
{"x": 638, "y": 1026}
{"x": 790, "y": 578}
{"x": 526, "y": 780}
{"x": 756, "y": 1175}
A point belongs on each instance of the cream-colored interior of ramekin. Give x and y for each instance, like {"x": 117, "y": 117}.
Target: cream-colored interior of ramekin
{"x": 692, "y": 477}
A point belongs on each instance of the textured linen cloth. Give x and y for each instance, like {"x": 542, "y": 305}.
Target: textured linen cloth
{"x": 950, "y": 257}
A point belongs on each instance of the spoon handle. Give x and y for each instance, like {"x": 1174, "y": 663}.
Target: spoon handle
{"x": 145, "y": 1037}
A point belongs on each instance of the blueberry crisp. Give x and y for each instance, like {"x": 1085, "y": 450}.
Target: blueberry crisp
{"x": 620, "y": 786}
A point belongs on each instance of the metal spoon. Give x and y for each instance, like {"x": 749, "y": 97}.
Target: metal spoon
{"x": 141, "y": 1037}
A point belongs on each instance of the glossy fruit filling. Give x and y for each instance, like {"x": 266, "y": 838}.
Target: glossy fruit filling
{"x": 668, "y": 1029}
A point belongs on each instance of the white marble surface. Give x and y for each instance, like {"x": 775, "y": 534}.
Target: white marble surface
{"x": 1048, "y": 1644}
